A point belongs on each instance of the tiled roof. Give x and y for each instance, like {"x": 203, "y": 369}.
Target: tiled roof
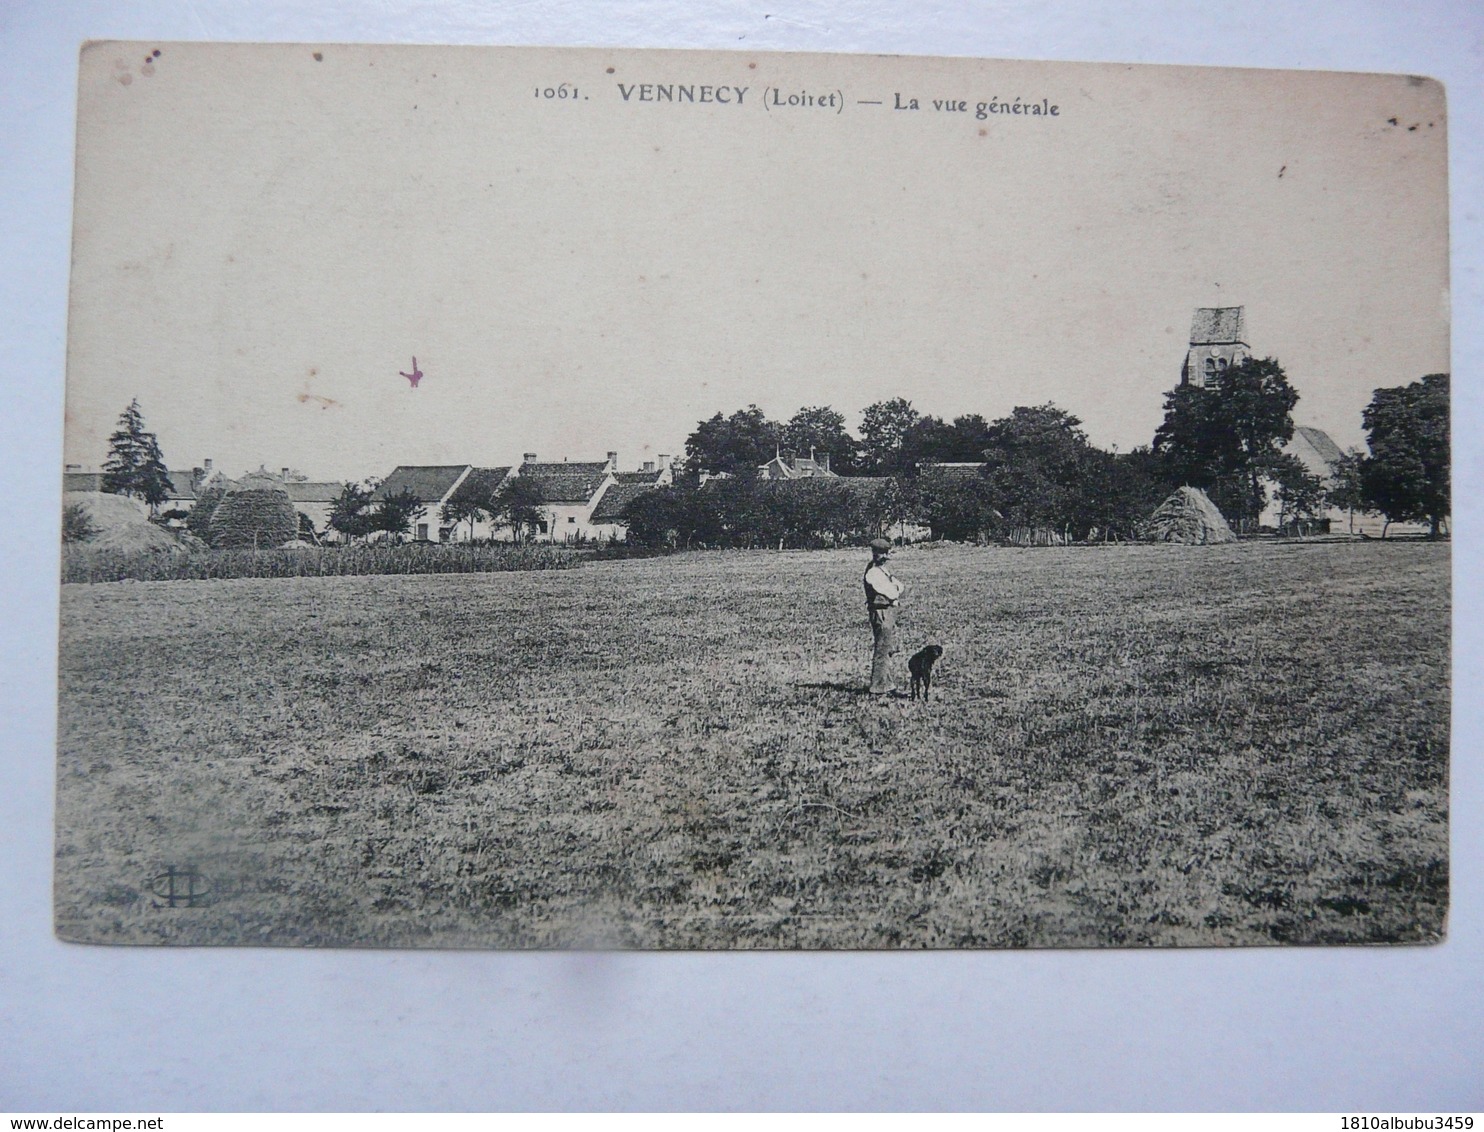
{"x": 301, "y": 491}
{"x": 637, "y": 477}
{"x": 1328, "y": 450}
{"x": 428, "y": 482}
{"x": 482, "y": 482}
{"x": 566, "y": 468}
{"x": 1218, "y": 324}
{"x": 82, "y": 481}
{"x": 616, "y": 498}
{"x": 182, "y": 484}
{"x": 568, "y": 488}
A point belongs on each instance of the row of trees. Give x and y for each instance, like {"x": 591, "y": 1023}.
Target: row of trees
{"x": 1041, "y": 472}
{"x": 894, "y": 439}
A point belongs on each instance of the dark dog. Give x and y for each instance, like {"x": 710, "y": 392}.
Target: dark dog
{"x": 921, "y": 667}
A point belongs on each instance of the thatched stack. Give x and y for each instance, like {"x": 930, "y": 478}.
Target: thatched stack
{"x": 255, "y": 514}
{"x": 120, "y": 523}
{"x": 1188, "y": 516}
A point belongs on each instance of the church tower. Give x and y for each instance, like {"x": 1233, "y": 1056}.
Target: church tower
{"x": 1218, "y": 340}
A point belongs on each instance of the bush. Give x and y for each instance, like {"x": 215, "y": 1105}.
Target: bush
{"x": 76, "y": 526}
{"x": 750, "y": 512}
{"x": 961, "y": 508}
{"x": 84, "y": 564}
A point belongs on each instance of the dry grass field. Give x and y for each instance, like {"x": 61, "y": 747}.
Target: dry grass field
{"x": 1131, "y": 745}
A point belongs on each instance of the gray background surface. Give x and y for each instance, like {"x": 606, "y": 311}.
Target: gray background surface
{"x": 117, "y": 1029}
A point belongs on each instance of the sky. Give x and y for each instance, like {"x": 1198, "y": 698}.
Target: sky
{"x": 264, "y": 241}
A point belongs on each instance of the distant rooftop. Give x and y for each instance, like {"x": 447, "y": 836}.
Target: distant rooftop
{"x": 567, "y": 489}
{"x": 428, "y": 482}
{"x": 564, "y": 468}
{"x": 611, "y": 507}
{"x": 1327, "y": 449}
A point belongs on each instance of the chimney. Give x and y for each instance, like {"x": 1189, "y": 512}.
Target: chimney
{"x": 664, "y": 461}
{"x": 826, "y": 459}
{"x": 528, "y": 458}
{"x": 208, "y": 466}
{"x": 285, "y": 474}
{"x": 613, "y": 461}
{"x": 73, "y": 468}
{"x": 649, "y": 465}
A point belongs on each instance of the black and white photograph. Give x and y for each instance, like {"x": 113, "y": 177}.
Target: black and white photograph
{"x": 618, "y": 499}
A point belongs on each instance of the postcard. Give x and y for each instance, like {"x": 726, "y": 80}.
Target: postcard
{"x": 552, "y": 498}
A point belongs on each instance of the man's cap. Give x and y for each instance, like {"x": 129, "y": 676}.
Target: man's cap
{"x": 880, "y": 545}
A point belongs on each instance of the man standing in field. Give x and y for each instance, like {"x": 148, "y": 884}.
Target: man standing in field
{"x": 882, "y": 594}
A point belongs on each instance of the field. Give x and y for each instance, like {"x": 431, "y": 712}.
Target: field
{"x": 1131, "y": 745}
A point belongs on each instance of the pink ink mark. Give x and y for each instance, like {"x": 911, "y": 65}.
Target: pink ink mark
{"x": 415, "y": 376}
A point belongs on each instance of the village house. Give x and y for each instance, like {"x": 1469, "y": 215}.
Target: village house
{"x": 570, "y": 493}
{"x": 314, "y": 499}
{"x": 432, "y": 485}
{"x": 581, "y": 500}
{"x": 479, "y": 486}
{"x": 75, "y": 479}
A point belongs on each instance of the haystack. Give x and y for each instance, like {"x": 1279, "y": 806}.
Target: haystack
{"x": 120, "y": 523}
{"x": 1188, "y": 516}
{"x": 254, "y": 514}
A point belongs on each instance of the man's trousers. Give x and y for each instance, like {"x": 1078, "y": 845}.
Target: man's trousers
{"x": 884, "y": 629}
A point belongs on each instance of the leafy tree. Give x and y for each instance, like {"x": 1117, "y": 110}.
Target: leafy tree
{"x": 306, "y": 529}
{"x": 961, "y": 508}
{"x": 933, "y": 440}
{"x": 737, "y": 512}
{"x": 737, "y": 445}
{"x": 465, "y": 506}
{"x": 1124, "y": 490}
{"x": 1300, "y": 493}
{"x": 819, "y": 429}
{"x": 77, "y": 526}
{"x": 1040, "y": 465}
{"x": 1226, "y": 436}
{"x": 396, "y": 512}
{"x": 1102, "y": 496}
{"x": 885, "y": 427}
{"x": 1407, "y": 475}
{"x": 1346, "y": 482}
{"x": 351, "y": 513}
{"x": 930, "y": 440}
{"x": 659, "y": 518}
{"x": 518, "y": 505}
{"x": 135, "y": 466}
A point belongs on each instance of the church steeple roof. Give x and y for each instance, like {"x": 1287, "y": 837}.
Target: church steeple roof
{"x": 1218, "y": 325}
